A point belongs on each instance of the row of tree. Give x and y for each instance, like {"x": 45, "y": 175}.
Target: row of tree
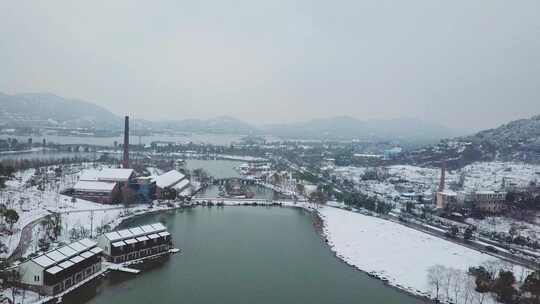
{"x": 361, "y": 200}
{"x": 487, "y": 283}
{"x": 504, "y": 286}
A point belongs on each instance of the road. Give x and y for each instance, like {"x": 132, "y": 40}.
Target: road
{"x": 24, "y": 241}
{"x": 506, "y": 256}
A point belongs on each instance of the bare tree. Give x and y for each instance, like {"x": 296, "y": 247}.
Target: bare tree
{"x": 468, "y": 285}
{"x": 457, "y": 282}
{"x": 446, "y": 282}
{"x": 435, "y": 279}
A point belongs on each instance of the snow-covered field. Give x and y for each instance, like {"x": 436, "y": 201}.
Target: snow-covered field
{"x": 400, "y": 254}
{"x": 503, "y": 225}
{"x": 478, "y": 176}
{"x": 77, "y": 218}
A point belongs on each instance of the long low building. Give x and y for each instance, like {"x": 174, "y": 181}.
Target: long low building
{"x": 99, "y": 192}
{"x": 135, "y": 243}
{"x": 60, "y": 269}
{"x": 171, "y": 180}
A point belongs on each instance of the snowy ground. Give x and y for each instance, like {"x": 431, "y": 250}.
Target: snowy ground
{"x": 503, "y": 225}
{"x": 77, "y": 217}
{"x": 405, "y": 178}
{"x": 395, "y": 252}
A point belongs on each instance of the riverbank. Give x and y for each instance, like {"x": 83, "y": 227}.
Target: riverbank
{"x": 381, "y": 249}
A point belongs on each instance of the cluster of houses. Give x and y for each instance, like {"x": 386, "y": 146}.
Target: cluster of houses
{"x": 491, "y": 202}
{"x": 116, "y": 185}
{"x": 72, "y": 265}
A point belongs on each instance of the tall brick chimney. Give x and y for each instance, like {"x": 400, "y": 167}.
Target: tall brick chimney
{"x": 125, "y": 161}
{"x": 443, "y": 177}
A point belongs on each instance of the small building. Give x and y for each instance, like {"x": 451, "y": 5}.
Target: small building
{"x": 389, "y": 154}
{"x": 489, "y": 201}
{"x": 171, "y": 180}
{"x": 146, "y": 188}
{"x": 445, "y": 199}
{"x": 62, "y": 268}
{"x": 135, "y": 243}
{"x": 99, "y": 192}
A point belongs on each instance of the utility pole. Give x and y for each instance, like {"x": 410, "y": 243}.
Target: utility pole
{"x": 91, "y": 223}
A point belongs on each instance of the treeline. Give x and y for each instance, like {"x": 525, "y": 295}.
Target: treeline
{"x": 361, "y": 200}
{"x": 504, "y": 286}
{"x": 484, "y": 284}
{"x": 6, "y": 172}
{"x": 23, "y": 164}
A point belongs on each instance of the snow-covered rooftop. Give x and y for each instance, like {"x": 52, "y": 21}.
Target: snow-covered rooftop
{"x": 169, "y": 179}
{"x": 107, "y": 175}
{"x": 125, "y": 234}
{"x": 181, "y": 185}
{"x": 65, "y": 256}
{"x": 94, "y": 186}
{"x": 449, "y": 193}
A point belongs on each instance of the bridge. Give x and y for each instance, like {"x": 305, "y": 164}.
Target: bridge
{"x": 242, "y": 180}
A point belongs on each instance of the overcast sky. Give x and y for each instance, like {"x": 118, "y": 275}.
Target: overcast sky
{"x": 465, "y": 64}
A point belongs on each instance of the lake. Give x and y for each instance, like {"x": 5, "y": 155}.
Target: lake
{"x": 215, "y": 168}
{"x": 47, "y": 155}
{"x": 197, "y": 138}
{"x": 242, "y": 255}
{"x": 259, "y": 192}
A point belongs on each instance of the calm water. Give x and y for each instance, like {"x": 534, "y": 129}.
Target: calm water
{"x": 215, "y": 168}
{"x": 243, "y": 255}
{"x": 47, "y": 155}
{"x": 259, "y": 192}
{"x": 215, "y": 139}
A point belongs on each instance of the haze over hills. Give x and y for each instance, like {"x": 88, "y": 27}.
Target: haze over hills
{"x": 346, "y": 127}
{"x": 51, "y": 110}
{"x": 48, "y": 110}
{"x": 517, "y": 140}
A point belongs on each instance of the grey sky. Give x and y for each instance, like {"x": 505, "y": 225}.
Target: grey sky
{"x": 462, "y": 63}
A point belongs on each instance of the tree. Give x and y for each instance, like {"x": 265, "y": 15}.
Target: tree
{"x": 467, "y": 235}
{"x": 11, "y": 217}
{"x": 383, "y": 208}
{"x": 484, "y": 278}
{"x": 53, "y": 225}
{"x": 513, "y": 231}
{"x": 503, "y": 286}
{"x": 300, "y": 188}
{"x": 453, "y": 232}
{"x": 435, "y": 279}
{"x": 318, "y": 198}
{"x": 532, "y": 286}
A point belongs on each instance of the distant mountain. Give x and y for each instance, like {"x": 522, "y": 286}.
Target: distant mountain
{"x": 223, "y": 124}
{"x": 346, "y": 128}
{"x": 48, "y": 110}
{"x": 522, "y": 132}
{"x": 40, "y": 110}
{"x": 518, "y": 140}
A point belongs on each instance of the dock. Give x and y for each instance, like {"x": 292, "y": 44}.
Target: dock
{"x": 121, "y": 268}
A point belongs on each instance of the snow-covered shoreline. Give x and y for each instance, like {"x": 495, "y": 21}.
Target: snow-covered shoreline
{"x": 398, "y": 255}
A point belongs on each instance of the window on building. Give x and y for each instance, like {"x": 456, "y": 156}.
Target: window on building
{"x": 36, "y": 278}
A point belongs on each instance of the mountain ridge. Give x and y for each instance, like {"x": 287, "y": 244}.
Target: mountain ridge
{"x": 50, "y": 110}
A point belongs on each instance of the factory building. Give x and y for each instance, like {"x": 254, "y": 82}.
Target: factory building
{"x": 490, "y": 201}
{"x": 171, "y": 180}
{"x": 135, "y": 243}
{"x": 62, "y": 268}
{"x": 103, "y": 186}
{"x": 99, "y": 192}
